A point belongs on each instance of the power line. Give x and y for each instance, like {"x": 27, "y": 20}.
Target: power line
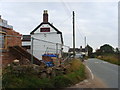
{"x": 78, "y": 29}
{"x": 65, "y": 20}
{"x": 69, "y": 9}
{"x": 79, "y": 32}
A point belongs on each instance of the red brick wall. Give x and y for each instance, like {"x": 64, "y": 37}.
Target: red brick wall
{"x": 6, "y": 56}
{"x": 15, "y": 39}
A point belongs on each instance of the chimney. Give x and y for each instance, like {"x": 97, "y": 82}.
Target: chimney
{"x": 45, "y": 16}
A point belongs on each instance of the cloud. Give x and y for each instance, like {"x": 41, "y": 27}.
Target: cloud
{"x": 98, "y": 21}
{"x": 59, "y": 0}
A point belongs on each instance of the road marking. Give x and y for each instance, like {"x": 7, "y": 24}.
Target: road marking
{"x": 90, "y": 72}
{"x": 100, "y": 62}
{"x": 105, "y": 62}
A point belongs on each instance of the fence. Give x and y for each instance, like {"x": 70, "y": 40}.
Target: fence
{"x": 37, "y": 48}
{"x": 40, "y": 47}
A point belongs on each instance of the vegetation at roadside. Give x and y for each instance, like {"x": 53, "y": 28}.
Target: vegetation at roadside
{"x": 74, "y": 74}
{"x": 106, "y": 53}
{"x": 112, "y": 58}
{"x": 109, "y": 54}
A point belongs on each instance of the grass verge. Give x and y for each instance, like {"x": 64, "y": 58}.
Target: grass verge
{"x": 110, "y": 58}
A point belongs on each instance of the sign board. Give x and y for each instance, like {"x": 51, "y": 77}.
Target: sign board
{"x": 44, "y": 29}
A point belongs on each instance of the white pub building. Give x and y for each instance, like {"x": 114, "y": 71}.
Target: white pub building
{"x": 45, "y": 38}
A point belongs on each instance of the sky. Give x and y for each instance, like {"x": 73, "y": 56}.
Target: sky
{"x": 95, "y": 20}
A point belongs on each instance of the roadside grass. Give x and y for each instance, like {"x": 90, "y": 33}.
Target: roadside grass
{"x": 75, "y": 73}
{"x": 25, "y": 82}
{"x": 110, "y": 58}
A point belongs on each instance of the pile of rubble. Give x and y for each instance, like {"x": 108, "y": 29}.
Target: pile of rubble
{"x": 41, "y": 71}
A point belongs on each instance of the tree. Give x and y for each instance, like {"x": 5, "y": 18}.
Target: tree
{"x": 117, "y": 51}
{"x": 98, "y": 52}
{"x": 106, "y": 49}
{"x": 90, "y": 50}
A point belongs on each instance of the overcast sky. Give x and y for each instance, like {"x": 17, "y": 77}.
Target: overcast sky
{"x": 98, "y": 21}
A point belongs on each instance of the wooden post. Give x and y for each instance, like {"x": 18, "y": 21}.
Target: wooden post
{"x": 73, "y": 34}
{"x": 32, "y": 50}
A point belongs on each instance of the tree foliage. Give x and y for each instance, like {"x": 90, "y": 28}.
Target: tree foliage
{"x": 117, "y": 51}
{"x": 90, "y": 50}
{"x": 106, "y": 49}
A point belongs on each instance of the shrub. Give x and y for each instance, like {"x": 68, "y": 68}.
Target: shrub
{"x": 61, "y": 81}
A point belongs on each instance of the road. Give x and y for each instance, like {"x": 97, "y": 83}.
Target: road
{"x": 106, "y": 72}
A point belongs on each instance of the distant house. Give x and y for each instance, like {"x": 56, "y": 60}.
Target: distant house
{"x": 44, "y": 39}
{"x": 82, "y": 51}
{"x": 26, "y": 42}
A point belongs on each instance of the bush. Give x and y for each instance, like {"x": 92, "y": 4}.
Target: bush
{"x": 61, "y": 81}
{"x": 11, "y": 81}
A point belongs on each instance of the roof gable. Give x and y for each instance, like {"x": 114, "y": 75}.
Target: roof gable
{"x": 58, "y": 32}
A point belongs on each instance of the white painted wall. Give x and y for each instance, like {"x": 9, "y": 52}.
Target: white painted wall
{"x": 40, "y": 47}
{"x": 26, "y": 43}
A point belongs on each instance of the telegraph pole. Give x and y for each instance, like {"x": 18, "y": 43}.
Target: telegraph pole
{"x": 73, "y": 34}
{"x": 85, "y": 47}
{"x": 85, "y": 41}
{"x": 32, "y": 49}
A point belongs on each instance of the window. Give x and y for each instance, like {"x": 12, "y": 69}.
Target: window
{"x": 2, "y": 41}
{"x": 44, "y": 29}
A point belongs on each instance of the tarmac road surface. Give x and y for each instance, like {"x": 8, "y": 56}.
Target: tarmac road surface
{"x": 106, "y": 72}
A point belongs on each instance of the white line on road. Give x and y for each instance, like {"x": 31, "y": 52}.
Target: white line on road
{"x": 90, "y": 72}
{"x": 105, "y": 62}
{"x": 96, "y": 62}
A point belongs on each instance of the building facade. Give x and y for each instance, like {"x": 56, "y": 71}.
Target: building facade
{"x": 82, "y": 51}
{"x": 45, "y": 38}
{"x": 8, "y": 38}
